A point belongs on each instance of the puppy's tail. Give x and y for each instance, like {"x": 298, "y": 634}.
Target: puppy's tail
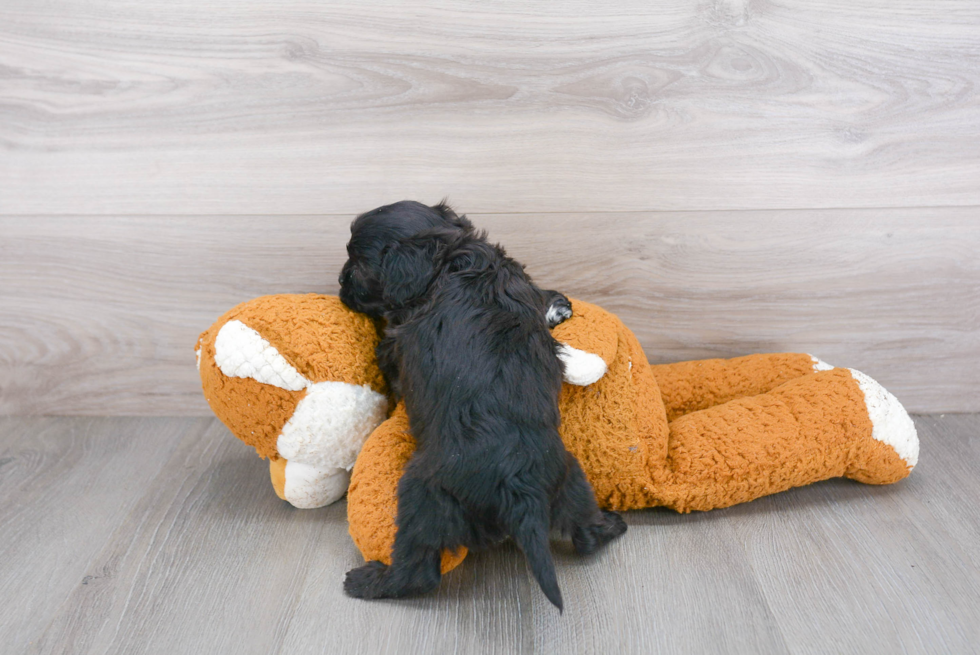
{"x": 532, "y": 538}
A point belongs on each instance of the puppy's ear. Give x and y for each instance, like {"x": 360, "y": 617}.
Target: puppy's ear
{"x": 451, "y": 217}
{"x": 407, "y": 269}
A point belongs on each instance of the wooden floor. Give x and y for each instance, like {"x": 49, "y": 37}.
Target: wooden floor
{"x": 163, "y": 535}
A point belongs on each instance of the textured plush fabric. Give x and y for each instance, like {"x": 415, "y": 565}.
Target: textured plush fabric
{"x": 810, "y": 428}
{"x": 317, "y": 335}
{"x": 742, "y": 428}
{"x": 373, "y": 491}
{"x": 690, "y": 386}
{"x": 689, "y": 436}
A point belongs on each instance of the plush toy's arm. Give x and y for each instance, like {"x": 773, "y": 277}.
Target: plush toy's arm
{"x": 589, "y": 343}
{"x": 581, "y": 368}
{"x": 372, "y": 499}
{"x": 692, "y": 386}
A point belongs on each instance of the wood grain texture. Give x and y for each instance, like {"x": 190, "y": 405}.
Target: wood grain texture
{"x": 64, "y": 487}
{"x": 207, "y": 561}
{"x": 305, "y": 108}
{"x": 809, "y": 546}
{"x": 198, "y": 555}
{"x": 101, "y": 314}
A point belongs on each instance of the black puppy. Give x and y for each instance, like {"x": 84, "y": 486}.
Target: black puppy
{"x": 467, "y": 345}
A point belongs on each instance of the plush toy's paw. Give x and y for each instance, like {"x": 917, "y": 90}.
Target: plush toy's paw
{"x": 559, "y": 309}
{"x": 820, "y": 365}
{"x": 309, "y": 487}
{"x": 890, "y": 423}
{"x": 587, "y": 540}
{"x": 581, "y": 368}
{"x": 366, "y": 581}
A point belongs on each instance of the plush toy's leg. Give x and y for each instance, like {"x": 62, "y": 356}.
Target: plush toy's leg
{"x": 692, "y": 386}
{"x": 305, "y": 486}
{"x": 428, "y": 518}
{"x": 830, "y": 424}
{"x": 372, "y": 498}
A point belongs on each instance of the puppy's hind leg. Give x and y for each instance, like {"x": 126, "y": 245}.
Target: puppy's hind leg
{"x": 575, "y": 512}
{"x": 429, "y": 520}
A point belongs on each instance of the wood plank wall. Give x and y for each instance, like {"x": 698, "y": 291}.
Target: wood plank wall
{"x": 729, "y": 176}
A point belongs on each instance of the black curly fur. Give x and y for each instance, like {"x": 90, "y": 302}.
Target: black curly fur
{"x": 468, "y": 346}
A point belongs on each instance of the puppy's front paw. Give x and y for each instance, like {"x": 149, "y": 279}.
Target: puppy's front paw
{"x": 559, "y": 309}
{"x": 366, "y": 581}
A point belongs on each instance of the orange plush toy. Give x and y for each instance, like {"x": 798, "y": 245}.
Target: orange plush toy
{"x": 294, "y": 376}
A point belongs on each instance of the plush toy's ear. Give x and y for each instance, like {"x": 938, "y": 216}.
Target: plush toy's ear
{"x": 407, "y": 269}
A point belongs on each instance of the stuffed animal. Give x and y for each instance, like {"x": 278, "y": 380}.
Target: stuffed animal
{"x": 294, "y": 376}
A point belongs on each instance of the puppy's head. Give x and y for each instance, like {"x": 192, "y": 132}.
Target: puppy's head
{"x": 391, "y": 253}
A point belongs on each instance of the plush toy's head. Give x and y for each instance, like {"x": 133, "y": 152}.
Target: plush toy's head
{"x": 295, "y": 377}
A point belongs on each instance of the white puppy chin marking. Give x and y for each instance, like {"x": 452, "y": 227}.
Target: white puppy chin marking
{"x": 890, "y": 422}
{"x": 308, "y": 487}
{"x": 581, "y": 368}
{"x": 329, "y": 426}
{"x": 820, "y": 365}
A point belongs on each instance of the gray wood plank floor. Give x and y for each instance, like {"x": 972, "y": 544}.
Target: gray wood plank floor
{"x": 123, "y": 535}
